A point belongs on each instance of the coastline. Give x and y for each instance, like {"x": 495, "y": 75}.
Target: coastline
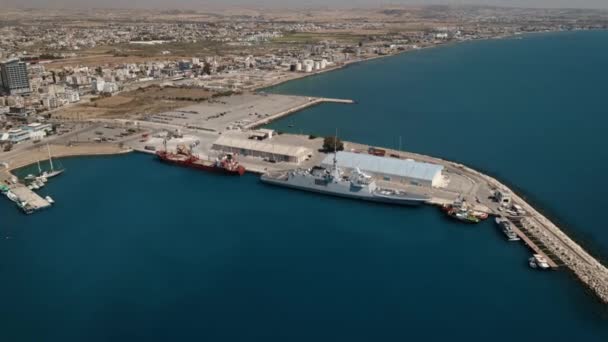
{"x": 588, "y": 269}
{"x": 29, "y": 157}
{"x": 302, "y": 75}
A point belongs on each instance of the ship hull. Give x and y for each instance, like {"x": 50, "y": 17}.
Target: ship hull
{"x": 352, "y": 195}
{"x": 199, "y": 166}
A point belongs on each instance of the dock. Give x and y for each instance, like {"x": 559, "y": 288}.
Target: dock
{"x": 34, "y": 202}
{"x": 313, "y": 101}
{"x": 520, "y": 228}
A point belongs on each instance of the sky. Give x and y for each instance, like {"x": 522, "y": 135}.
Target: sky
{"x": 201, "y": 4}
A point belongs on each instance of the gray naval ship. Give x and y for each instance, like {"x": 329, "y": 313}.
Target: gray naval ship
{"x": 332, "y": 182}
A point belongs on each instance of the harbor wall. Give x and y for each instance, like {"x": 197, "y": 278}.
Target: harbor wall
{"x": 29, "y": 157}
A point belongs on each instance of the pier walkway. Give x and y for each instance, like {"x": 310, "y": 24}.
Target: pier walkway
{"x": 313, "y": 101}
{"x": 34, "y": 202}
{"x": 520, "y": 228}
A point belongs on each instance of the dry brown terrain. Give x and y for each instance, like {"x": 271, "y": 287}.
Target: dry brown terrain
{"x": 149, "y": 100}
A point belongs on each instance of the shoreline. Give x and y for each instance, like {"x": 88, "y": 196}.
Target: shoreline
{"x": 592, "y": 272}
{"x": 588, "y": 269}
{"x": 303, "y": 75}
{"x": 28, "y": 157}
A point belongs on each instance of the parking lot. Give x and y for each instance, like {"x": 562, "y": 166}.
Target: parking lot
{"x": 230, "y": 112}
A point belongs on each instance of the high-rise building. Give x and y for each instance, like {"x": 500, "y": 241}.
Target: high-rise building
{"x": 14, "y": 77}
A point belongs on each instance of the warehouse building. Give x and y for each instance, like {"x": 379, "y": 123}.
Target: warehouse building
{"x": 261, "y": 149}
{"x": 389, "y": 169}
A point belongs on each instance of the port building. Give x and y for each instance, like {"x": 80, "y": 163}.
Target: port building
{"x": 390, "y": 169}
{"x": 262, "y": 149}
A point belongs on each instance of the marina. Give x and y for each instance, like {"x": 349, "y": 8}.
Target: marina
{"x": 25, "y": 199}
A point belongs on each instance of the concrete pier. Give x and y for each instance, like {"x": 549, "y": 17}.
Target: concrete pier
{"x": 313, "y": 101}
{"x": 33, "y": 202}
{"x": 534, "y": 244}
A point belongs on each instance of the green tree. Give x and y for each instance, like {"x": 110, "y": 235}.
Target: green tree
{"x": 329, "y": 143}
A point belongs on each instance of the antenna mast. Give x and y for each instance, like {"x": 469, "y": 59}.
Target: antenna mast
{"x": 336, "y": 149}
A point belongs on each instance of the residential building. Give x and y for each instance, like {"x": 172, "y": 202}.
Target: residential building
{"x": 14, "y": 77}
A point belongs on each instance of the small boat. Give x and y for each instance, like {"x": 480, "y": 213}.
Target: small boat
{"x": 538, "y": 261}
{"x": 49, "y": 199}
{"x": 39, "y": 183}
{"x": 34, "y": 185}
{"x": 52, "y": 173}
{"x": 459, "y": 211}
{"x": 507, "y": 229}
{"x": 30, "y": 177}
{"x": 12, "y": 196}
{"x": 31, "y": 187}
{"x": 480, "y": 215}
{"x": 25, "y": 207}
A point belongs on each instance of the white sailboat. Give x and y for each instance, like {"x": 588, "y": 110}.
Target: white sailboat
{"x": 53, "y": 172}
{"x": 32, "y": 177}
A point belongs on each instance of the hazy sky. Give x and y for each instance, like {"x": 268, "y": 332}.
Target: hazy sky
{"x": 201, "y": 4}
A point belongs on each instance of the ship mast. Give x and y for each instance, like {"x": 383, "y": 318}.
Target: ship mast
{"x": 336, "y": 149}
{"x": 50, "y": 159}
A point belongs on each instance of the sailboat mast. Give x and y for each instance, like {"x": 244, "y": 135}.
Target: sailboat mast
{"x": 39, "y": 169}
{"x": 50, "y": 158}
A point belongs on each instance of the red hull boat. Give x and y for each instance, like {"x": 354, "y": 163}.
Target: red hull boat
{"x": 225, "y": 165}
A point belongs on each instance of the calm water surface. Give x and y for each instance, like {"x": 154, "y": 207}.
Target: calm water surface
{"x": 531, "y": 111}
{"x": 135, "y": 250}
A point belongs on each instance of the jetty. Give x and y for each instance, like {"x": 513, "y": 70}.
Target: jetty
{"x": 312, "y": 101}
{"x": 32, "y": 202}
{"x": 519, "y": 227}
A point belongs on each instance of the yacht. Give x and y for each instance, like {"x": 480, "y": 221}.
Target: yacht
{"x": 538, "y": 261}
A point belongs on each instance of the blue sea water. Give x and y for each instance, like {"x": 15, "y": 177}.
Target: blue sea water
{"x": 530, "y": 110}
{"x": 136, "y": 250}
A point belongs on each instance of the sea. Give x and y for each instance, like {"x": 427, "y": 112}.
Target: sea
{"x": 136, "y": 250}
